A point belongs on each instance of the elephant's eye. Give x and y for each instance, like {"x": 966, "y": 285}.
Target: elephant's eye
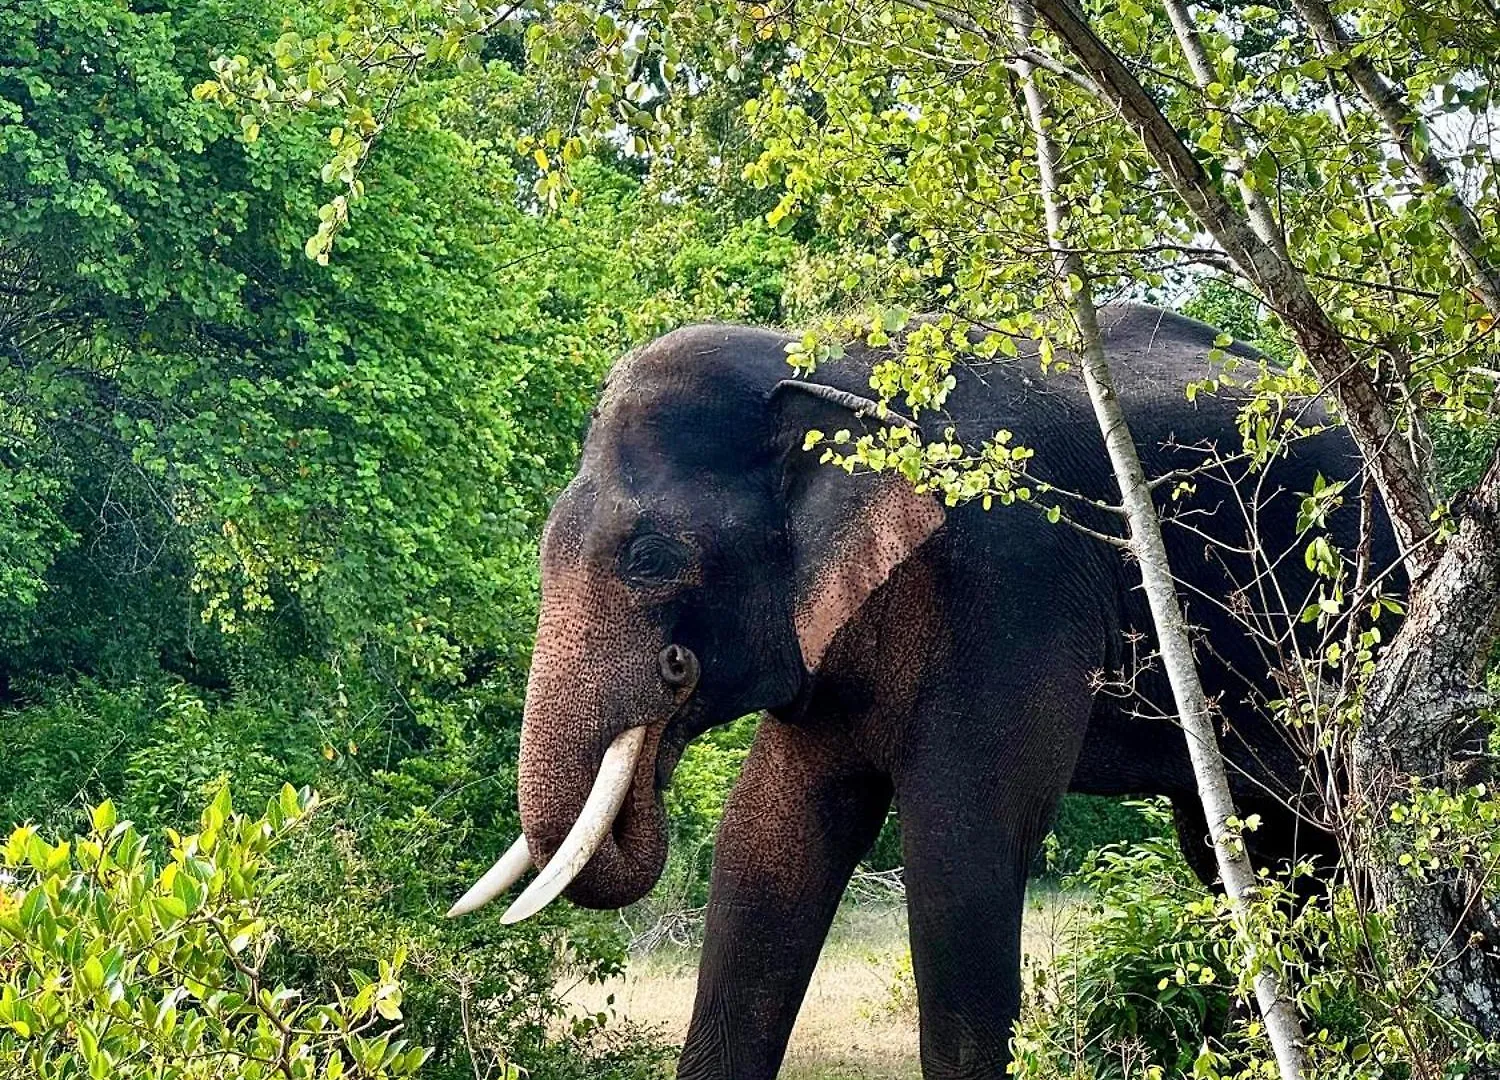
{"x": 651, "y": 558}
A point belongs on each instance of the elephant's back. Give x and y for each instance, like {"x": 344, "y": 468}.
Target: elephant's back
{"x": 1154, "y": 355}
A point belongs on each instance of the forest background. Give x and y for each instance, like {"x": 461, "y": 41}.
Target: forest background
{"x": 268, "y": 519}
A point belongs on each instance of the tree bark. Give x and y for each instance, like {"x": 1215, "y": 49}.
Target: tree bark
{"x": 1422, "y": 720}
{"x": 1277, "y": 1004}
{"x": 1374, "y": 426}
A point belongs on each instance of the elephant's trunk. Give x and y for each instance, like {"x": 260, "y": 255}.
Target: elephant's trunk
{"x": 589, "y": 833}
{"x": 583, "y": 841}
{"x": 601, "y": 838}
{"x": 606, "y": 854}
{"x": 604, "y": 684}
{"x": 596, "y": 708}
{"x": 596, "y": 821}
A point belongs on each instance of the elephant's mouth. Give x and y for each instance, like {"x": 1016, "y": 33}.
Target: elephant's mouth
{"x": 616, "y": 849}
{"x": 630, "y": 860}
{"x": 630, "y": 856}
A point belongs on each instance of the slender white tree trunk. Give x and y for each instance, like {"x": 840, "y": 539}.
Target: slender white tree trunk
{"x": 1259, "y": 213}
{"x": 1276, "y": 1004}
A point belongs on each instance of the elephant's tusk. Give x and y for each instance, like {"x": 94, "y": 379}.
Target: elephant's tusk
{"x": 505, "y": 873}
{"x": 616, "y": 772}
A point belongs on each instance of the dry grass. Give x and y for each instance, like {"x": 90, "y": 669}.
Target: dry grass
{"x": 859, "y": 1019}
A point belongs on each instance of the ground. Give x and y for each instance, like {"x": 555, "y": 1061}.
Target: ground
{"x": 859, "y": 1019}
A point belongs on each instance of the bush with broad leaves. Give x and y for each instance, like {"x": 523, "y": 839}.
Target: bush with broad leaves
{"x": 119, "y": 962}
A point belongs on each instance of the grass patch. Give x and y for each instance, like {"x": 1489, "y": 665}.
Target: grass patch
{"x": 859, "y": 1018}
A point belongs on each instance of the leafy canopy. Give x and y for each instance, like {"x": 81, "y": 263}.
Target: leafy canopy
{"x": 899, "y": 126}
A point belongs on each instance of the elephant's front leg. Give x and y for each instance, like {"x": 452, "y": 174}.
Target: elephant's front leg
{"x": 974, "y": 812}
{"x": 802, "y": 814}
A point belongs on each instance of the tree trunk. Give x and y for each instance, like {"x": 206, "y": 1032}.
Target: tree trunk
{"x": 1421, "y": 717}
{"x": 1277, "y": 1005}
{"x": 1422, "y": 720}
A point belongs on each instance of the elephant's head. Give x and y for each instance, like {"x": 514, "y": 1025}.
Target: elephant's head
{"x": 695, "y": 570}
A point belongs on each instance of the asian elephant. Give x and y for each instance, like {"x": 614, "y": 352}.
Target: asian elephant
{"x": 703, "y": 565}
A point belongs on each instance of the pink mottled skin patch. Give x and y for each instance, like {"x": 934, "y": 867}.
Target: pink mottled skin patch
{"x": 593, "y": 676}
{"x": 868, "y": 547}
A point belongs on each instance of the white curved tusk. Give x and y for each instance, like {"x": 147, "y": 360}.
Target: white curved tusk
{"x": 616, "y": 772}
{"x": 506, "y": 872}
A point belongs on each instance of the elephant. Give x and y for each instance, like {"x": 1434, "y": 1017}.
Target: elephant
{"x": 703, "y": 565}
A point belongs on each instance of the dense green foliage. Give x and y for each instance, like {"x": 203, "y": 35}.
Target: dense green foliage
{"x": 361, "y": 450}
{"x": 263, "y": 520}
{"x": 1148, "y": 980}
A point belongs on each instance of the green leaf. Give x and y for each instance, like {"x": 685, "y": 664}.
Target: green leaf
{"x": 290, "y": 806}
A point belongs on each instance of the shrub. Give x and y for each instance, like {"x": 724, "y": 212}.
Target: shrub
{"x": 695, "y": 803}
{"x": 1152, "y": 980}
{"x": 1143, "y": 975}
{"x": 477, "y": 993}
{"x": 117, "y": 963}
{"x": 65, "y": 747}
{"x": 1086, "y": 823}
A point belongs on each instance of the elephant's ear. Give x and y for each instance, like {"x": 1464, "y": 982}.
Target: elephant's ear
{"x": 848, "y": 532}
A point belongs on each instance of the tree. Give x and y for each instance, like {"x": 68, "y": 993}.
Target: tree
{"x": 1418, "y": 720}
{"x": 1277, "y": 1005}
{"x": 1254, "y": 143}
{"x": 399, "y": 420}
